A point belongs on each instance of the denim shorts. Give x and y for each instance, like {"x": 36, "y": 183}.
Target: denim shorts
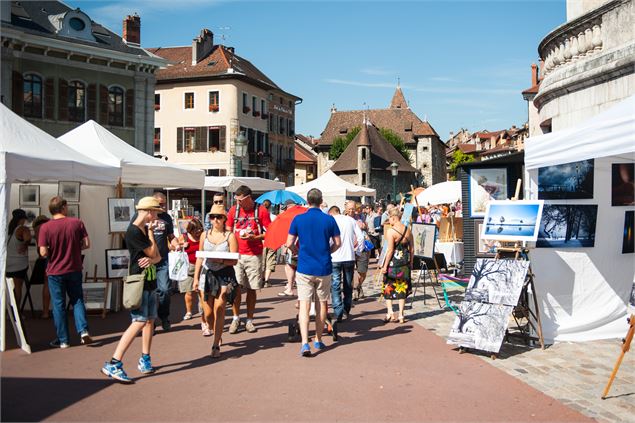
{"x": 147, "y": 311}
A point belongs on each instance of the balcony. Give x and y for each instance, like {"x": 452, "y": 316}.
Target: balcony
{"x": 258, "y": 159}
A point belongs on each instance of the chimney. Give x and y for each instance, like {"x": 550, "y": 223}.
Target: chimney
{"x": 534, "y": 75}
{"x": 132, "y": 29}
{"x": 202, "y": 46}
{"x": 541, "y": 68}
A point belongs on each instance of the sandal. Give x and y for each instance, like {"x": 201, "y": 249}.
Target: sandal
{"x": 215, "y": 351}
{"x": 389, "y": 318}
{"x": 187, "y": 316}
{"x": 402, "y": 319}
{"x": 285, "y": 294}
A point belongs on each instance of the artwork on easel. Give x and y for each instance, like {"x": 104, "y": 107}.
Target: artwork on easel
{"x": 424, "y": 236}
{"x": 628, "y": 239}
{"x": 484, "y": 247}
{"x": 512, "y": 220}
{"x": 406, "y": 216}
{"x": 567, "y": 226}
{"x": 497, "y": 281}
{"x": 486, "y": 185}
{"x": 480, "y": 326}
{"x": 566, "y": 181}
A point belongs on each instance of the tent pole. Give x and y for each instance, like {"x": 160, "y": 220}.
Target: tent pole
{"x": 202, "y": 202}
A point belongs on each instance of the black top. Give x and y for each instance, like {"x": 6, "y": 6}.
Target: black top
{"x": 162, "y": 230}
{"x": 137, "y": 241}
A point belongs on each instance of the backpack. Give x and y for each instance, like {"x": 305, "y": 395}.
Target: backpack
{"x": 256, "y": 210}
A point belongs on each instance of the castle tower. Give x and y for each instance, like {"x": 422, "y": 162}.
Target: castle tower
{"x": 363, "y": 155}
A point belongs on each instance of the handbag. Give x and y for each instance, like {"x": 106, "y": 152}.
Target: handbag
{"x": 133, "y": 290}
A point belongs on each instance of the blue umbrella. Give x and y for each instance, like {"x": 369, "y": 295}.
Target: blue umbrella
{"x": 280, "y": 196}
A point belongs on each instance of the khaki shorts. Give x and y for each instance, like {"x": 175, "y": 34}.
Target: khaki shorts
{"x": 269, "y": 259}
{"x": 308, "y": 285}
{"x": 186, "y": 284}
{"x": 361, "y": 262}
{"x": 249, "y": 271}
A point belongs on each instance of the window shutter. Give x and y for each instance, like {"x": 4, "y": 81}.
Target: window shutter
{"x": 62, "y": 108}
{"x": 179, "y": 140}
{"x": 49, "y": 99}
{"x": 103, "y": 104}
{"x": 130, "y": 108}
{"x": 221, "y": 140}
{"x": 92, "y": 101}
{"x": 18, "y": 93}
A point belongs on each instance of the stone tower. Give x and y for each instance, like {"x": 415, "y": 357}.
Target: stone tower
{"x": 363, "y": 156}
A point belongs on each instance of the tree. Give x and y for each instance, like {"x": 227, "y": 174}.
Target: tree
{"x": 396, "y": 142}
{"x": 340, "y": 143}
{"x": 458, "y": 158}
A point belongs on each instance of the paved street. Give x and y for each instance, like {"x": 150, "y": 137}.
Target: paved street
{"x": 376, "y": 372}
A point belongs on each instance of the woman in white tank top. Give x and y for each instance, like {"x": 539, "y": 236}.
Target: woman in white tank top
{"x": 18, "y": 251}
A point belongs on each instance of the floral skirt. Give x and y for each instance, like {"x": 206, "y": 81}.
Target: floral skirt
{"x": 397, "y": 285}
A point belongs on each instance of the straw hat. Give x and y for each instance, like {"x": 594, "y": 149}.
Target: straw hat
{"x": 149, "y": 203}
{"x": 218, "y": 209}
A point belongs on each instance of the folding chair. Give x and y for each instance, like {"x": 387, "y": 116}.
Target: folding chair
{"x": 448, "y": 282}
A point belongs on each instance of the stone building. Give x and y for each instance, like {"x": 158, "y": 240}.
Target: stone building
{"x": 587, "y": 65}
{"x": 206, "y": 96}
{"x": 61, "y": 69}
{"x": 427, "y": 151}
{"x": 305, "y": 160}
{"x": 367, "y": 162}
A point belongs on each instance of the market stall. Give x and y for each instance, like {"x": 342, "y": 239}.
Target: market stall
{"x": 335, "y": 190}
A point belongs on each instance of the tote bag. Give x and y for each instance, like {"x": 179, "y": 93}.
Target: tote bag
{"x": 178, "y": 265}
{"x": 133, "y": 290}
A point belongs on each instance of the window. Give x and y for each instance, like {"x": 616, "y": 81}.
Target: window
{"x": 216, "y": 138}
{"x": 32, "y": 96}
{"x": 76, "y": 101}
{"x": 189, "y": 100}
{"x": 191, "y": 139}
{"x": 363, "y": 178}
{"x": 425, "y": 148}
{"x": 157, "y": 140}
{"x": 363, "y": 155}
{"x": 246, "y": 108}
{"x": 157, "y": 102}
{"x": 254, "y": 102}
{"x": 281, "y": 128}
{"x": 216, "y": 172}
{"x": 263, "y": 109}
{"x": 115, "y": 106}
{"x": 290, "y": 127}
{"x": 214, "y": 104}
{"x": 77, "y": 24}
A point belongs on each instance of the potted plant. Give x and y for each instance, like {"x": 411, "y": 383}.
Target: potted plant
{"x": 213, "y": 108}
{"x": 246, "y": 109}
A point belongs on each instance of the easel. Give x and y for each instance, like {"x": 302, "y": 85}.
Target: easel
{"x": 11, "y": 307}
{"x": 108, "y": 284}
{"x": 423, "y": 271}
{"x": 626, "y": 346}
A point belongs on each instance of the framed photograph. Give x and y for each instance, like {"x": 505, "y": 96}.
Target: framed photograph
{"x": 117, "y": 262}
{"x": 497, "y": 281}
{"x": 484, "y": 247}
{"x": 566, "y": 181}
{"x": 424, "y": 238}
{"x": 97, "y": 296}
{"x": 512, "y": 220}
{"x": 567, "y": 226}
{"x": 69, "y": 191}
{"x": 29, "y": 195}
{"x": 182, "y": 225}
{"x": 480, "y": 326}
{"x": 623, "y": 184}
{"x": 628, "y": 241}
{"x": 486, "y": 185}
{"x": 31, "y": 214}
{"x": 120, "y": 211}
{"x": 73, "y": 210}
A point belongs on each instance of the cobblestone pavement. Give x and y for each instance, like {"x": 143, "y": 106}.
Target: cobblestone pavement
{"x": 573, "y": 373}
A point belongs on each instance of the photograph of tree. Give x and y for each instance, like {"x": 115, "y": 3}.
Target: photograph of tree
{"x": 480, "y": 326}
{"x": 623, "y": 184}
{"x": 497, "y": 281}
{"x": 567, "y": 226}
{"x": 566, "y": 181}
{"x": 628, "y": 241}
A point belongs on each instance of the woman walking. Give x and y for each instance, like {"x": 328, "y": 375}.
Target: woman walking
{"x": 214, "y": 277}
{"x": 17, "y": 251}
{"x": 397, "y": 266}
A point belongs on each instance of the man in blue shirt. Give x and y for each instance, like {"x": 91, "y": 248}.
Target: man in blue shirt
{"x": 318, "y": 236}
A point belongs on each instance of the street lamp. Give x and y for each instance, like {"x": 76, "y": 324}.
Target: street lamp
{"x": 394, "y": 170}
{"x": 240, "y": 151}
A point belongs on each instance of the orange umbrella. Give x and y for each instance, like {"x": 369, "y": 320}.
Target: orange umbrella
{"x": 278, "y": 230}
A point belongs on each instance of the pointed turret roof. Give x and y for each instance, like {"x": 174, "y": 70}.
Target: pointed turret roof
{"x": 398, "y": 100}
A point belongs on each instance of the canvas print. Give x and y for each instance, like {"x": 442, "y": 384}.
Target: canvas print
{"x": 117, "y": 263}
{"x": 486, "y": 185}
{"x": 182, "y": 225}
{"x": 120, "y": 211}
{"x": 628, "y": 240}
{"x": 97, "y": 295}
{"x": 424, "y": 237}
{"x": 72, "y": 210}
{"x": 566, "y": 181}
{"x": 512, "y": 220}
{"x": 567, "y": 226}
{"x": 69, "y": 191}
{"x": 623, "y": 184}
{"x": 29, "y": 195}
{"x": 497, "y": 281}
{"x": 480, "y": 326}
{"x": 484, "y": 247}
{"x": 31, "y": 214}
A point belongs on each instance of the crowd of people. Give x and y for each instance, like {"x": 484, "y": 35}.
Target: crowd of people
{"x": 326, "y": 256}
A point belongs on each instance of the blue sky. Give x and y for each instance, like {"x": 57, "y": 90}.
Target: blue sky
{"x": 460, "y": 64}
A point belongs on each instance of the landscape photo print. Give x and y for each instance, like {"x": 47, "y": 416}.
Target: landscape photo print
{"x": 512, "y": 220}
{"x": 497, "y": 281}
{"x": 566, "y": 181}
{"x": 567, "y": 226}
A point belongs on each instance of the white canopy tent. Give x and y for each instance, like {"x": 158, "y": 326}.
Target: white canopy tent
{"x": 583, "y": 292}
{"x": 231, "y": 183}
{"x": 28, "y": 154}
{"x": 441, "y": 193}
{"x": 137, "y": 167}
{"x": 334, "y": 189}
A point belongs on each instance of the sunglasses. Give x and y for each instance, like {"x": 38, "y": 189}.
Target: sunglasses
{"x": 216, "y": 216}
{"x": 240, "y": 198}
{"x": 218, "y": 201}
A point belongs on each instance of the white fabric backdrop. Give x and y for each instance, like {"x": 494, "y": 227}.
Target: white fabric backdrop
{"x": 334, "y": 189}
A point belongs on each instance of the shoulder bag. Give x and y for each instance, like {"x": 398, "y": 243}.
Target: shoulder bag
{"x": 133, "y": 290}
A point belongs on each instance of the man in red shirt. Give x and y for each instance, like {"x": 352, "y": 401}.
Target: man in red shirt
{"x": 249, "y": 226}
{"x": 62, "y": 240}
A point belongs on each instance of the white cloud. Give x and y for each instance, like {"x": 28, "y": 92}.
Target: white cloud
{"x": 377, "y": 71}
{"x": 427, "y": 89}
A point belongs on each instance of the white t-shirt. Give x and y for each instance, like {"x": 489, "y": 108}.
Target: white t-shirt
{"x": 350, "y": 234}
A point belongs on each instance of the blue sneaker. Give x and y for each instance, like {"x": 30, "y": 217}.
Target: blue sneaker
{"x": 116, "y": 371}
{"x": 319, "y": 345}
{"x": 305, "y": 351}
{"x": 145, "y": 365}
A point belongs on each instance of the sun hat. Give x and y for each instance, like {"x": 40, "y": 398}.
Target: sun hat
{"x": 149, "y": 203}
{"x": 218, "y": 209}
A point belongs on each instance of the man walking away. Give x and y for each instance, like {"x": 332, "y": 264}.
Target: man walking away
{"x": 318, "y": 237}
{"x": 62, "y": 240}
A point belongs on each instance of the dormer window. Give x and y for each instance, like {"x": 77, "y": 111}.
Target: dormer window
{"x": 77, "y": 24}
{"x": 74, "y": 24}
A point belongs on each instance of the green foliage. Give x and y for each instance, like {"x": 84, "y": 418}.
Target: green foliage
{"x": 340, "y": 143}
{"x": 396, "y": 142}
{"x": 458, "y": 158}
